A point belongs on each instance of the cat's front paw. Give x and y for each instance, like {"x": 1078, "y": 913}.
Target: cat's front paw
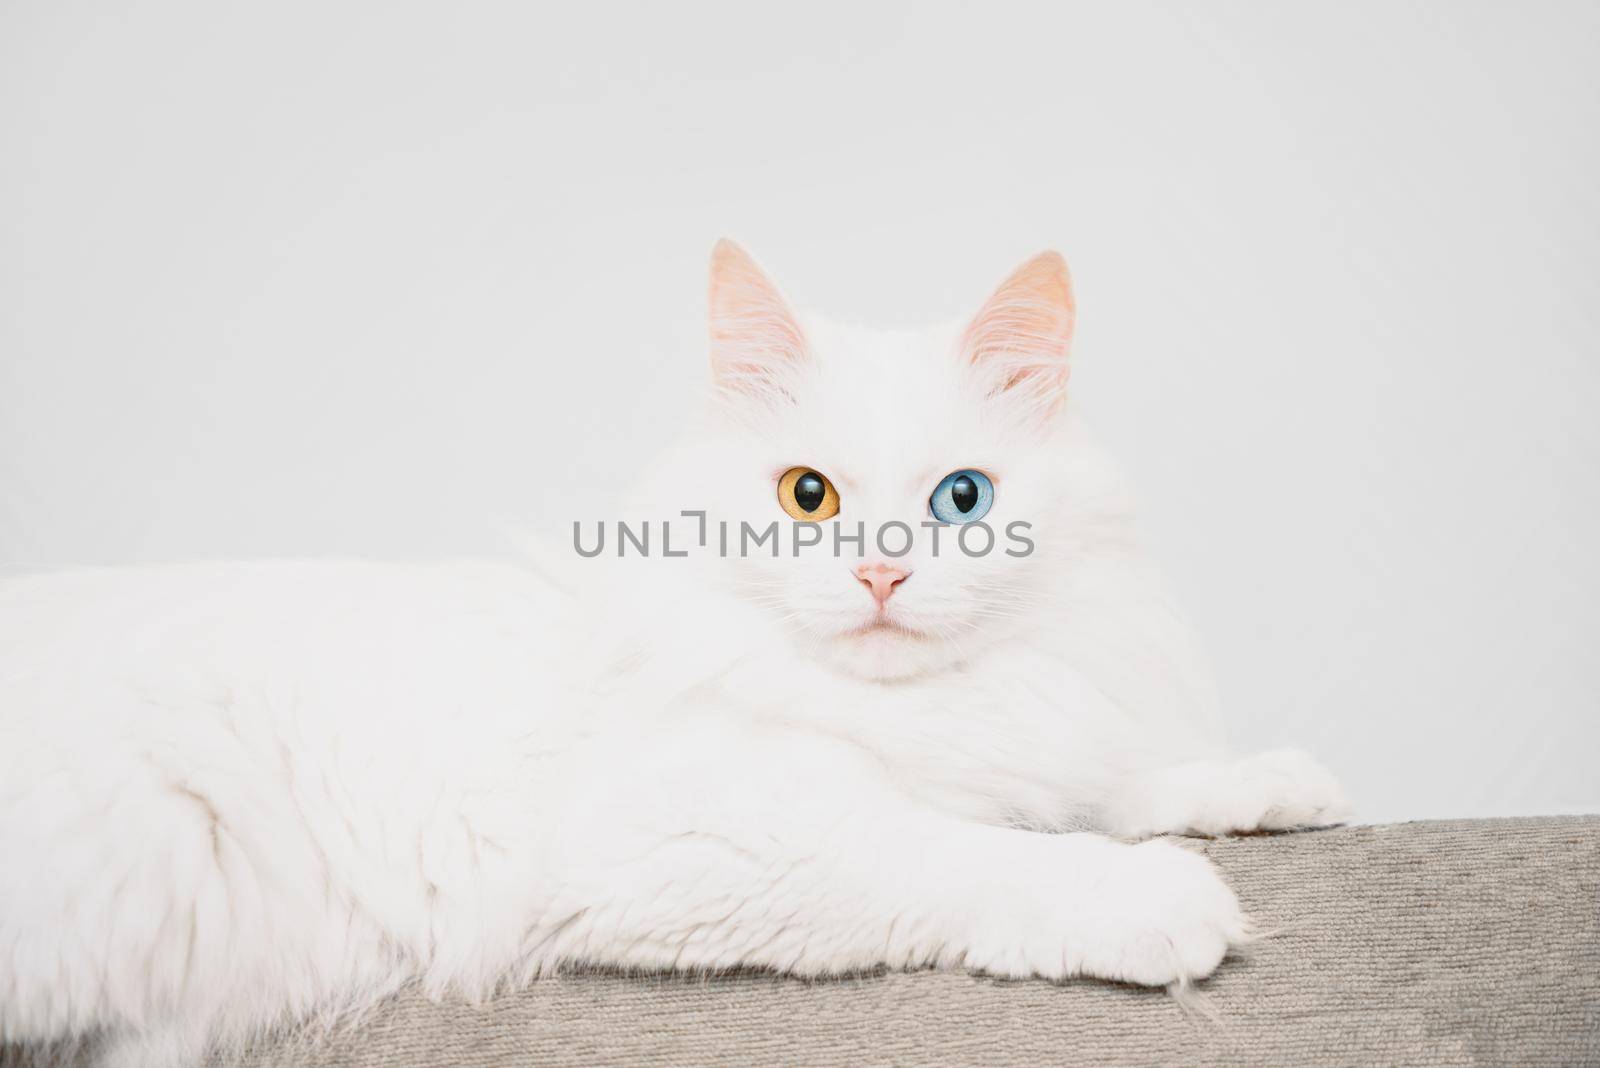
{"x": 1163, "y": 915}
{"x": 1152, "y": 914}
{"x": 1280, "y": 790}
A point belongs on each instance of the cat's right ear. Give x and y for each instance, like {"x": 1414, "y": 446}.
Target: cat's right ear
{"x": 756, "y": 341}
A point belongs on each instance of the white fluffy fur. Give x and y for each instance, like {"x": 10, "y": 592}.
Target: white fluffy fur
{"x": 235, "y": 796}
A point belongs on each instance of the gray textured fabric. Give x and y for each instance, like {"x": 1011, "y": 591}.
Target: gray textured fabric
{"x": 1472, "y": 942}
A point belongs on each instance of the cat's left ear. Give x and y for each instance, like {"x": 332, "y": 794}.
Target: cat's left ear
{"x": 1020, "y": 342}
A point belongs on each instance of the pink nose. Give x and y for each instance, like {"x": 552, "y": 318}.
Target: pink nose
{"x": 881, "y": 579}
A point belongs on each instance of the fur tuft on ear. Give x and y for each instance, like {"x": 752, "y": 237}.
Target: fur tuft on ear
{"x": 756, "y": 341}
{"x": 1019, "y": 343}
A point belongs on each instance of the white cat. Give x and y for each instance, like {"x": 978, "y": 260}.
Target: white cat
{"x": 236, "y": 796}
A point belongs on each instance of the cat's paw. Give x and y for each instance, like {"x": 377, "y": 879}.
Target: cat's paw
{"x": 1152, "y": 914}
{"x": 1163, "y": 915}
{"x": 1286, "y": 789}
{"x": 1280, "y": 790}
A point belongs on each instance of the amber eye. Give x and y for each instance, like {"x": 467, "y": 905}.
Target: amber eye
{"x": 807, "y": 495}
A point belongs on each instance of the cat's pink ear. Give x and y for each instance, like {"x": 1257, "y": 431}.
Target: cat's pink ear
{"x": 1020, "y": 341}
{"x": 756, "y": 341}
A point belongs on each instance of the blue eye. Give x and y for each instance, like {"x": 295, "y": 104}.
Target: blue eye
{"x": 962, "y": 497}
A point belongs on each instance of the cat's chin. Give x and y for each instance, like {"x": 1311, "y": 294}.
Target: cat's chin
{"x": 885, "y": 650}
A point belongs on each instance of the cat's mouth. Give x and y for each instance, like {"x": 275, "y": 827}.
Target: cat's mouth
{"x": 883, "y": 625}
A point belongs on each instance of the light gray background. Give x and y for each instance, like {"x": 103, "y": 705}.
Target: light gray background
{"x": 394, "y": 280}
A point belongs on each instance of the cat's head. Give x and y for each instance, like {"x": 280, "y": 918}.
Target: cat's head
{"x": 898, "y": 433}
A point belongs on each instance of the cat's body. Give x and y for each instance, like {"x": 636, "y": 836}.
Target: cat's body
{"x": 236, "y": 795}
